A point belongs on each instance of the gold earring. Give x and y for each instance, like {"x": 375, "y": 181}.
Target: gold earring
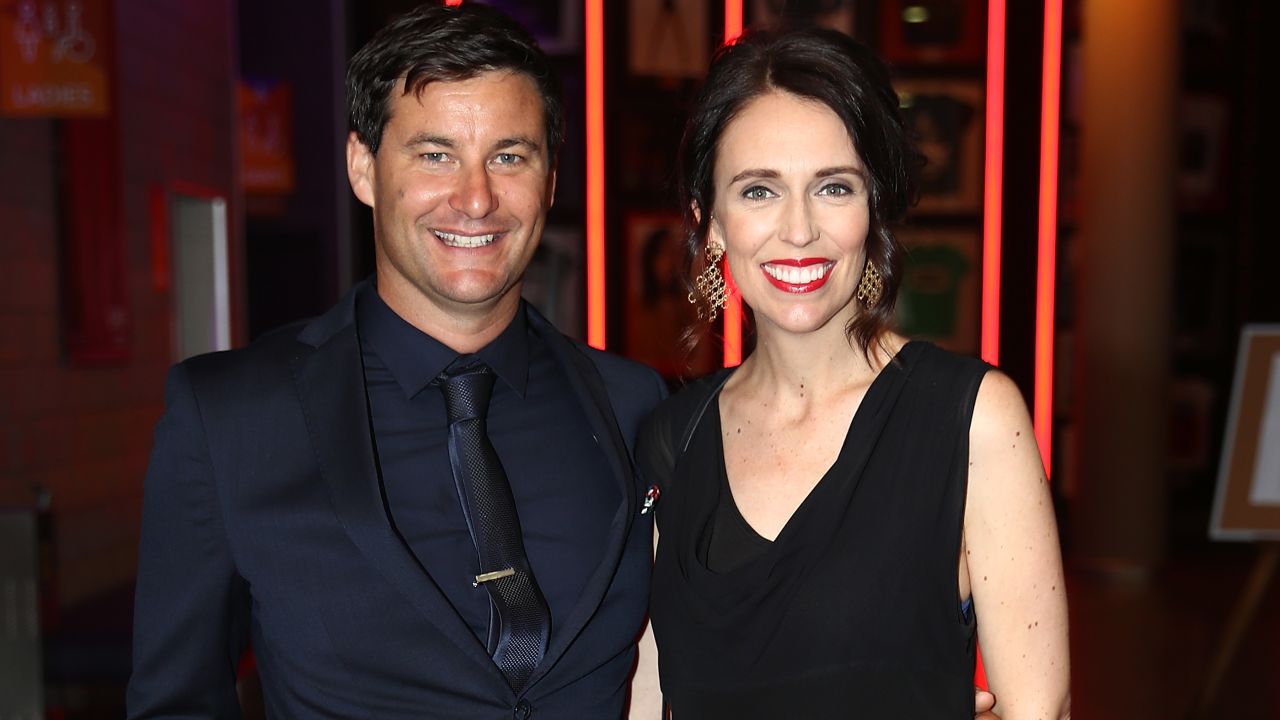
{"x": 871, "y": 286}
{"x": 710, "y": 286}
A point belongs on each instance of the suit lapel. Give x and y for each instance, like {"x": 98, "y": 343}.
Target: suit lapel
{"x": 593, "y": 397}
{"x": 330, "y": 381}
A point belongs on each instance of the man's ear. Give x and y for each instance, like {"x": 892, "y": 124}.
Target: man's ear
{"x": 360, "y": 169}
{"x": 551, "y": 188}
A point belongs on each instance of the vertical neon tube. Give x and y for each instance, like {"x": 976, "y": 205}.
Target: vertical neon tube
{"x": 1047, "y": 249}
{"x": 733, "y": 310}
{"x": 993, "y": 185}
{"x": 594, "y": 18}
{"x": 992, "y": 207}
{"x": 732, "y": 19}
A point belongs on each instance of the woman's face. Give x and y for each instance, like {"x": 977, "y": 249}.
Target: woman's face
{"x": 792, "y": 212}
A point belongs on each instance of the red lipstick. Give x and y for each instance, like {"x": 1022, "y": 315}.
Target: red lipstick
{"x": 797, "y": 288}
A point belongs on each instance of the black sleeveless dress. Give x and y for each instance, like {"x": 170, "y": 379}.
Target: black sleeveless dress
{"x": 853, "y": 610}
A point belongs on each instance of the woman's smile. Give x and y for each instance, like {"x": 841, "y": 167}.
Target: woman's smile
{"x": 798, "y": 276}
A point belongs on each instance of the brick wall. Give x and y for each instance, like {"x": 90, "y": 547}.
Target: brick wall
{"x": 85, "y": 432}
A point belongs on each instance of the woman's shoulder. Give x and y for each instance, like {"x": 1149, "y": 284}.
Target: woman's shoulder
{"x": 942, "y": 367}
{"x": 664, "y": 434}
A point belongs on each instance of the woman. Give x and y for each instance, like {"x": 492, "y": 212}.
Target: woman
{"x": 843, "y": 514}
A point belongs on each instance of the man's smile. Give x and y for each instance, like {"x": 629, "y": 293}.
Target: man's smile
{"x": 462, "y": 240}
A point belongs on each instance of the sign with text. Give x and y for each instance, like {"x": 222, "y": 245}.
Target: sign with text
{"x": 266, "y": 137}
{"x": 53, "y": 58}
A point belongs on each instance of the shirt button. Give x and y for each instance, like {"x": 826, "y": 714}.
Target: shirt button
{"x": 523, "y": 710}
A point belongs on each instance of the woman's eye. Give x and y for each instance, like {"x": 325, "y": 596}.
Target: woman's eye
{"x": 756, "y": 192}
{"x": 836, "y": 190}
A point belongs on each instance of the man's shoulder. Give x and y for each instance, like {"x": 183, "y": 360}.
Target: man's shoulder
{"x": 632, "y": 388}
{"x": 280, "y": 347}
{"x": 273, "y": 347}
{"x": 616, "y": 371}
{"x": 616, "y": 368}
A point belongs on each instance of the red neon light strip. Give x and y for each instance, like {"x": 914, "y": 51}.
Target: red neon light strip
{"x": 733, "y": 310}
{"x": 993, "y": 188}
{"x": 732, "y": 20}
{"x": 1048, "y": 235}
{"x": 992, "y": 207}
{"x": 594, "y": 17}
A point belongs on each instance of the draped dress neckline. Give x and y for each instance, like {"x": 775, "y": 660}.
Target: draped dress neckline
{"x": 733, "y": 598}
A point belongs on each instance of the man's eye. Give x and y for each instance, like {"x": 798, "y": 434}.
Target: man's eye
{"x": 507, "y": 158}
{"x": 435, "y": 157}
{"x": 756, "y": 192}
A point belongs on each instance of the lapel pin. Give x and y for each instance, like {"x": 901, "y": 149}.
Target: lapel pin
{"x": 650, "y": 498}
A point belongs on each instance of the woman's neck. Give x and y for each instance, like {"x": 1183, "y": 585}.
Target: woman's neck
{"x": 798, "y": 369}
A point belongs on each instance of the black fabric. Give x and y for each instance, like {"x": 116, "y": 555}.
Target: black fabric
{"x": 731, "y": 541}
{"x": 521, "y": 622}
{"x": 851, "y": 612}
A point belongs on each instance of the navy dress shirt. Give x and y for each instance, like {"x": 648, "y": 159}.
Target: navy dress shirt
{"x": 539, "y": 431}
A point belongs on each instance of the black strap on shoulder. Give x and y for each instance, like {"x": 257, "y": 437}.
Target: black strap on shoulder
{"x": 712, "y": 393}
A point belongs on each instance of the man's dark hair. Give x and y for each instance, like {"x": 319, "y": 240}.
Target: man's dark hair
{"x": 850, "y": 80}
{"x": 438, "y": 43}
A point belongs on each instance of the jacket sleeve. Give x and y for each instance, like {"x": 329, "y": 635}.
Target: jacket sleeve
{"x": 190, "y": 607}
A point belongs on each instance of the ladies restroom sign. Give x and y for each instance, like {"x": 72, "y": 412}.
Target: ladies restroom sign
{"x": 53, "y": 59}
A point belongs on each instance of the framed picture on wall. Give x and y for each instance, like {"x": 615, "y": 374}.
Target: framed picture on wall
{"x": 1202, "y": 291}
{"x": 667, "y": 39}
{"x": 946, "y": 118}
{"x": 1191, "y": 403}
{"x": 835, "y": 14}
{"x": 1203, "y": 161}
{"x": 940, "y": 295}
{"x": 1246, "y": 503}
{"x": 933, "y": 32}
{"x": 658, "y": 310}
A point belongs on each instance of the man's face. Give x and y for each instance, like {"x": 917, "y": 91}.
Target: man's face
{"x": 460, "y": 189}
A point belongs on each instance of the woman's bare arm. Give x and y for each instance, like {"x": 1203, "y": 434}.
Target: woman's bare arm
{"x": 1014, "y": 560}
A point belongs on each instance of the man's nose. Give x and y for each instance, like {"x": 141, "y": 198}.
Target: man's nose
{"x": 473, "y": 196}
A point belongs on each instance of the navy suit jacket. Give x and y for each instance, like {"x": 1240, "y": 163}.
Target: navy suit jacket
{"x": 264, "y": 518}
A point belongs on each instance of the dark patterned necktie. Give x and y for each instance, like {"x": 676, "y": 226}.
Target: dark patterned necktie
{"x": 520, "y": 622}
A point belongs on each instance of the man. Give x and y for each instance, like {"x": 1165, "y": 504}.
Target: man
{"x": 332, "y": 491}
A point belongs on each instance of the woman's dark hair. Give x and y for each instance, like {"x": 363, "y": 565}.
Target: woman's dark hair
{"x": 441, "y": 43}
{"x": 849, "y": 79}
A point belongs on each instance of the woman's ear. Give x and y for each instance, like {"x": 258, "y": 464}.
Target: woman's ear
{"x": 715, "y": 236}
{"x": 715, "y": 240}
